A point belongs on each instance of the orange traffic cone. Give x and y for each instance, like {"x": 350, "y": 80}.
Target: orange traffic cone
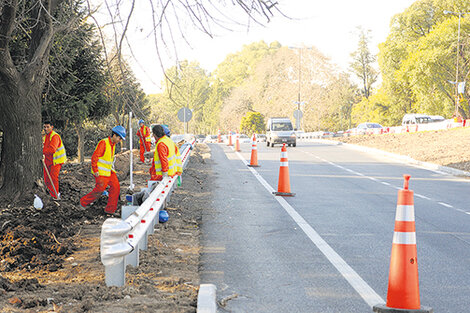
{"x": 254, "y": 153}
{"x": 283, "y": 186}
{"x": 219, "y": 137}
{"x": 230, "y": 139}
{"x": 403, "y": 282}
{"x": 237, "y": 144}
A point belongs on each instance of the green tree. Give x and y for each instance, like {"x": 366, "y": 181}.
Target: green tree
{"x": 74, "y": 91}
{"x": 362, "y": 63}
{"x": 24, "y": 68}
{"x": 252, "y": 123}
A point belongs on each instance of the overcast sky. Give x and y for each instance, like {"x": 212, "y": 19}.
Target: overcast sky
{"x": 328, "y": 25}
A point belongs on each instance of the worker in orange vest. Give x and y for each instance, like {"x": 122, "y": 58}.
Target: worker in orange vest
{"x": 102, "y": 167}
{"x": 165, "y": 157}
{"x": 145, "y": 141}
{"x": 54, "y": 156}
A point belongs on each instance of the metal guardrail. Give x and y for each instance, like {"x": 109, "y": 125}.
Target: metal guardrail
{"x": 121, "y": 239}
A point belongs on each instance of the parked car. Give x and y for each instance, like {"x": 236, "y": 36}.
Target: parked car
{"x": 261, "y": 138}
{"x": 367, "y": 128}
{"x": 210, "y": 139}
{"x": 411, "y": 119}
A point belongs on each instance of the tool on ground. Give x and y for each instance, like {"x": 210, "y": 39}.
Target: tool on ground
{"x": 57, "y": 196}
{"x": 254, "y": 153}
{"x": 403, "y": 282}
{"x": 283, "y": 187}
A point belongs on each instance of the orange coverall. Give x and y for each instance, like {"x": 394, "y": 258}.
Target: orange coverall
{"x": 162, "y": 150}
{"x": 101, "y": 182}
{"x": 143, "y": 133}
{"x": 48, "y": 149}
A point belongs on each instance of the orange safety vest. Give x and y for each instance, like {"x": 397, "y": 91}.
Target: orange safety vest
{"x": 172, "y": 166}
{"x": 106, "y": 162}
{"x": 145, "y": 133}
{"x": 59, "y": 156}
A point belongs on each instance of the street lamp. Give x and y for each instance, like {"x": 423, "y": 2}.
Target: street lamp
{"x": 460, "y": 14}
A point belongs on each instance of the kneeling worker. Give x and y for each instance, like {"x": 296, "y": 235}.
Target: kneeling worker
{"x": 102, "y": 167}
{"x": 164, "y": 159}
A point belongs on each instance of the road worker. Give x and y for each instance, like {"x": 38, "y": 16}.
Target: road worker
{"x": 179, "y": 164}
{"x": 165, "y": 157}
{"x": 145, "y": 140}
{"x": 102, "y": 168}
{"x": 54, "y": 156}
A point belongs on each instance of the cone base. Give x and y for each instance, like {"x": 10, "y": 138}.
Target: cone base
{"x": 254, "y": 165}
{"x": 381, "y": 308}
{"x": 284, "y": 194}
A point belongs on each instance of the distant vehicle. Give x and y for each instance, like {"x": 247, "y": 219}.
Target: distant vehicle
{"x": 327, "y": 134}
{"x": 366, "y": 128}
{"x": 210, "y": 139}
{"x": 411, "y": 119}
{"x": 200, "y": 138}
{"x": 244, "y": 139}
{"x": 279, "y": 130}
{"x": 437, "y": 118}
{"x": 261, "y": 138}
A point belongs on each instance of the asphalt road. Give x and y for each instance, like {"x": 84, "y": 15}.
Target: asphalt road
{"x": 328, "y": 248}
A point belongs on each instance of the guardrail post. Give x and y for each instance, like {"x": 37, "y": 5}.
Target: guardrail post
{"x": 133, "y": 257}
{"x": 115, "y": 275}
{"x": 127, "y": 210}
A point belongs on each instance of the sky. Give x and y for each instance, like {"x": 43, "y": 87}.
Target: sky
{"x": 330, "y": 26}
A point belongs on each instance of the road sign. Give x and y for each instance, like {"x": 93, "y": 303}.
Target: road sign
{"x": 298, "y": 114}
{"x": 185, "y": 114}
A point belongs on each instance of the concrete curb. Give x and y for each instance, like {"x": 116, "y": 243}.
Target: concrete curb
{"x": 401, "y": 158}
{"x": 206, "y": 300}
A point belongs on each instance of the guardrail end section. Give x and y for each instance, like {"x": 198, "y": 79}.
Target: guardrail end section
{"x": 206, "y": 299}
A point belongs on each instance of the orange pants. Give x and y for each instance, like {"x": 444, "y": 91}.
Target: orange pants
{"x": 101, "y": 183}
{"x": 54, "y": 171}
{"x": 143, "y": 149}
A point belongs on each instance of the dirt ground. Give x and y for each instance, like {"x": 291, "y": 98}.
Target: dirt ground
{"x": 50, "y": 260}
{"x": 444, "y": 147}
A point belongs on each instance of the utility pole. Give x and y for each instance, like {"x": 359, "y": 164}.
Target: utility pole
{"x": 457, "y": 98}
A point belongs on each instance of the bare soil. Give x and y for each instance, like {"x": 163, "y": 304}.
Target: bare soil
{"x": 444, "y": 147}
{"x": 50, "y": 259}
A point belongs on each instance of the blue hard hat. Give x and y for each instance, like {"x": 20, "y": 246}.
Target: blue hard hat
{"x": 120, "y": 131}
{"x": 141, "y": 121}
{"x": 166, "y": 130}
{"x": 163, "y": 216}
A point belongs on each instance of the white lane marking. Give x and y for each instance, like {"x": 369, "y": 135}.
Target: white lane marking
{"x": 445, "y": 204}
{"x": 422, "y": 197}
{"x": 384, "y": 183}
{"x": 356, "y": 281}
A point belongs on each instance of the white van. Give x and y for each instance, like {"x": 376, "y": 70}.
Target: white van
{"x": 279, "y": 130}
{"x": 412, "y": 119}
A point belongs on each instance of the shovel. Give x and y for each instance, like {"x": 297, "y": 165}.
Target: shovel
{"x": 50, "y": 179}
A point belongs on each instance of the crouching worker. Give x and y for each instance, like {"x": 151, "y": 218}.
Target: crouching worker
{"x": 165, "y": 157}
{"x": 102, "y": 168}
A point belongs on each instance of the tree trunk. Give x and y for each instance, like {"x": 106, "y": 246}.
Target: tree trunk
{"x": 81, "y": 143}
{"x": 21, "y": 107}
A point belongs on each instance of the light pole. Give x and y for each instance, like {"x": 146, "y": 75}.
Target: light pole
{"x": 298, "y": 102}
{"x": 460, "y": 14}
